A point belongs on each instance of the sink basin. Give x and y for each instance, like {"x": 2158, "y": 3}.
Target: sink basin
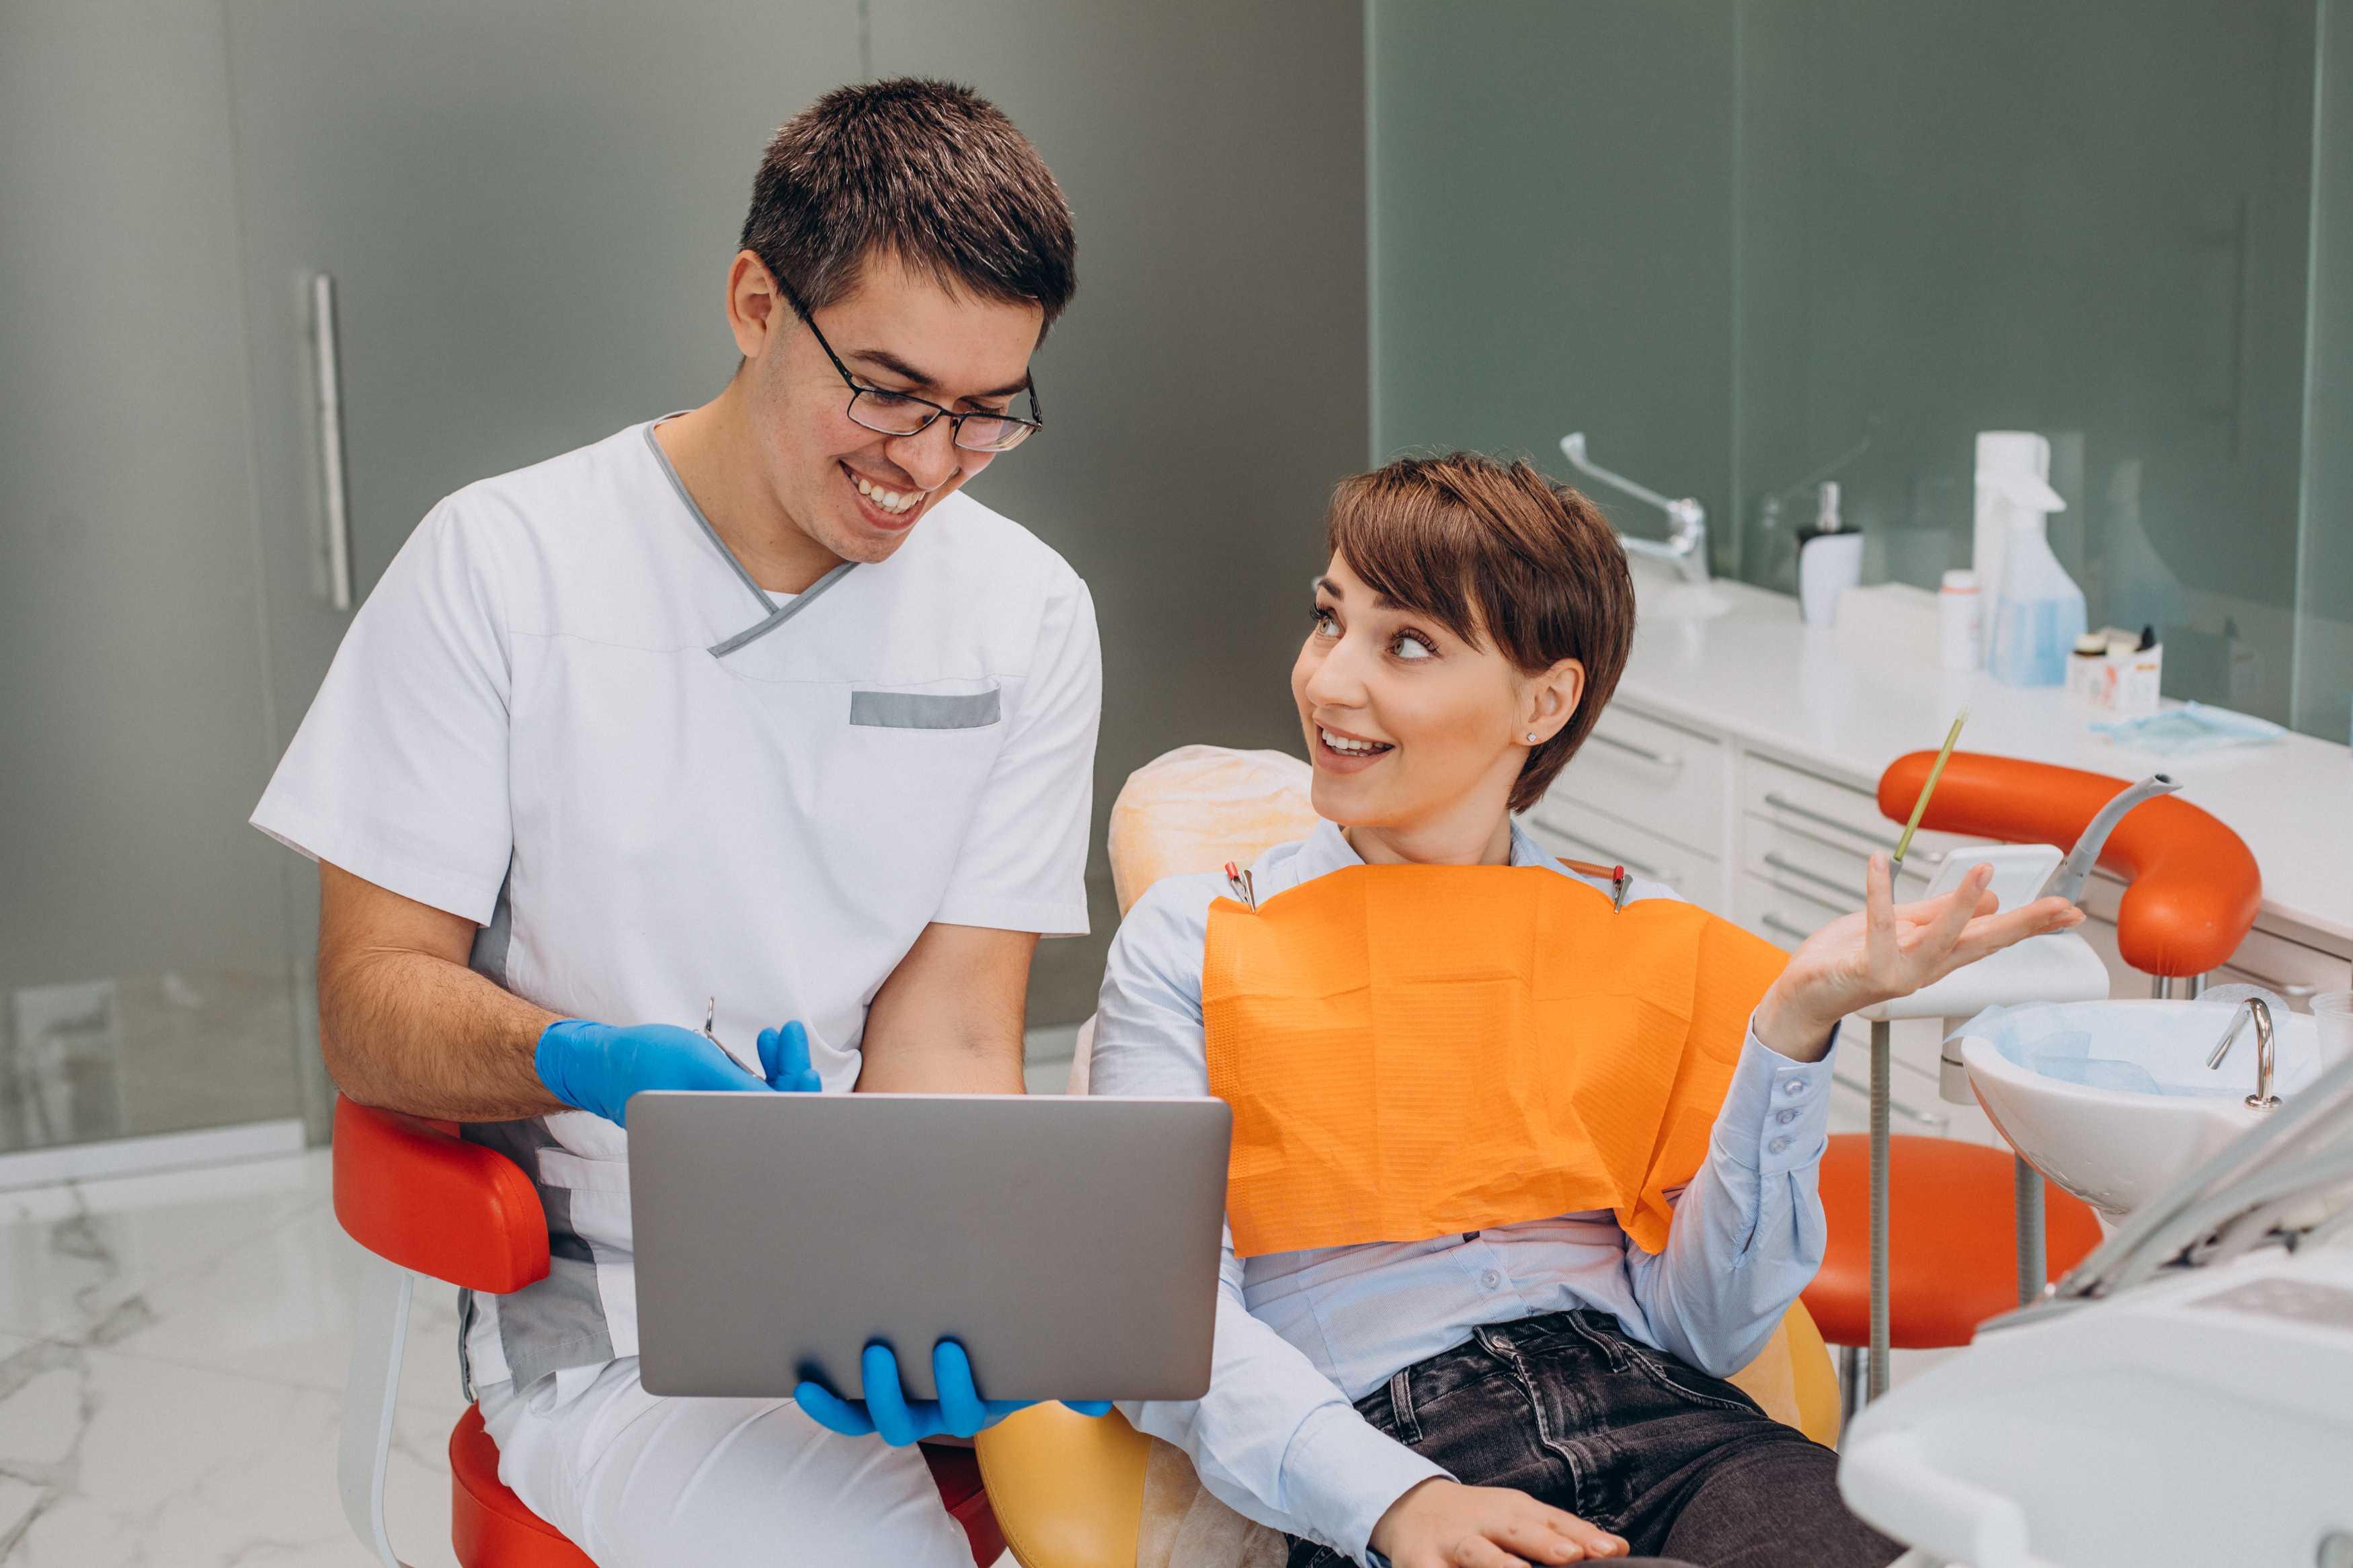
{"x": 1661, "y": 593}
{"x": 2112, "y": 1101}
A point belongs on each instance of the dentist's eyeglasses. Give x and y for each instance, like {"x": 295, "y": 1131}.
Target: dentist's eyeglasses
{"x": 903, "y": 414}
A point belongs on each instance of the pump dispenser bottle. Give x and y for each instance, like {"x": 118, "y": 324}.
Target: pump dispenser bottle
{"x": 1830, "y": 560}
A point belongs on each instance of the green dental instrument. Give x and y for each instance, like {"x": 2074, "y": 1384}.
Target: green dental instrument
{"x": 1920, "y": 807}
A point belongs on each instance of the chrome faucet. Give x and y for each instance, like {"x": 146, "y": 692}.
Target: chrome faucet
{"x": 1686, "y": 547}
{"x": 2253, "y": 1007}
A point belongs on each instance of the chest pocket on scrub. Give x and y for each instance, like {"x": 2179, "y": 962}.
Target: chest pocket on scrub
{"x": 924, "y": 709}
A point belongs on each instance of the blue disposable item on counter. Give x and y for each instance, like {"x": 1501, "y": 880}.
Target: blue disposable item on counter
{"x": 2190, "y": 728}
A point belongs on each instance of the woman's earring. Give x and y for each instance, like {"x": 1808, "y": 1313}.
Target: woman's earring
{"x": 1532, "y": 737}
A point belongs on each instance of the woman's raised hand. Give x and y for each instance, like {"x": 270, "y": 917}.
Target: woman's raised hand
{"x": 1442, "y": 1523}
{"x": 1889, "y": 950}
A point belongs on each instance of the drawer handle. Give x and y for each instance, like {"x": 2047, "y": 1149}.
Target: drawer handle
{"x": 1666, "y": 760}
{"x": 1780, "y": 802}
{"x": 1775, "y": 922}
{"x": 2295, "y": 991}
{"x": 1792, "y": 868}
{"x": 1611, "y": 855}
{"x": 1923, "y": 1118}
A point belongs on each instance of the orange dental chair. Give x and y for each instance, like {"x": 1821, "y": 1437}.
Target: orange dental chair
{"x": 1968, "y": 1232}
{"x": 422, "y": 1200}
{"x": 1068, "y": 1490}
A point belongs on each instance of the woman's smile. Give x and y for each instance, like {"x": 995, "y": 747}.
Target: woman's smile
{"x": 1342, "y": 752}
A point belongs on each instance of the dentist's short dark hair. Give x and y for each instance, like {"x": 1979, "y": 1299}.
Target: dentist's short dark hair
{"x": 1502, "y": 557}
{"x": 928, "y": 172}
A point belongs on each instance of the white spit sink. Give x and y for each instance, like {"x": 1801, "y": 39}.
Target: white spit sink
{"x": 1662, "y": 594}
{"x": 2113, "y": 1101}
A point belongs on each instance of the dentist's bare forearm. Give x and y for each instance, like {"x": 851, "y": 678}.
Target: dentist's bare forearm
{"x": 405, "y": 1024}
{"x": 949, "y": 1021}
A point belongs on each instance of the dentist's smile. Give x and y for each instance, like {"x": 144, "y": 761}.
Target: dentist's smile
{"x": 882, "y": 505}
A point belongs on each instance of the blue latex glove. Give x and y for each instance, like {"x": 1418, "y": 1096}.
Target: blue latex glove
{"x": 886, "y": 1412}
{"x": 596, "y": 1066}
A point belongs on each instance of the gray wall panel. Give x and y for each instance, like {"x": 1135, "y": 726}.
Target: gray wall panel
{"x": 1208, "y": 384}
{"x": 144, "y": 972}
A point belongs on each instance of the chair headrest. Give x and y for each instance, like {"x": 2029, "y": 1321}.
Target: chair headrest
{"x": 1197, "y": 807}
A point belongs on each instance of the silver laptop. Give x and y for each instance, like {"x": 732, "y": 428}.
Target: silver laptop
{"x": 1070, "y": 1244}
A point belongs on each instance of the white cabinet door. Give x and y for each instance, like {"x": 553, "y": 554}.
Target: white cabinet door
{"x": 1651, "y": 774}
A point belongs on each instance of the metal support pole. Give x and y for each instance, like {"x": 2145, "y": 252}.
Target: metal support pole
{"x": 2033, "y": 1258}
{"x": 1850, "y": 1384}
{"x": 2162, "y": 989}
{"x": 1882, "y": 1042}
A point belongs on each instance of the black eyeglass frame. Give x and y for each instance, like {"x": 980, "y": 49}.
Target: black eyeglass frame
{"x": 1029, "y": 426}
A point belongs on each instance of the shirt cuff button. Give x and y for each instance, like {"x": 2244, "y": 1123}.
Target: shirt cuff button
{"x": 1778, "y": 1146}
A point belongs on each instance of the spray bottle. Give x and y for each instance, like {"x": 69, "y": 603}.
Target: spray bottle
{"x": 2038, "y": 611}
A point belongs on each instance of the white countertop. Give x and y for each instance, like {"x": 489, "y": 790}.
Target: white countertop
{"x": 1756, "y": 674}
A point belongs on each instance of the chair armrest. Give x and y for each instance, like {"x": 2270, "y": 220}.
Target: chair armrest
{"x": 416, "y": 1195}
{"x": 2195, "y": 887}
{"x": 1067, "y": 1489}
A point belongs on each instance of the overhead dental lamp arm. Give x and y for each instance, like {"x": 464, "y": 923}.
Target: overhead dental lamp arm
{"x": 1686, "y": 547}
{"x": 2066, "y": 879}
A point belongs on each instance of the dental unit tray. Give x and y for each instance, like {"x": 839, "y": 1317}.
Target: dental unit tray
{"x": 2184, "y": 1395}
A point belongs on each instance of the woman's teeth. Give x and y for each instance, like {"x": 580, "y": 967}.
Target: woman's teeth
{"x": 888, "y": 501}
{"x": 1349, "y": 747}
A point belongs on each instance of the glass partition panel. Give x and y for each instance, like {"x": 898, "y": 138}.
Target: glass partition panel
{"x": 2324, "y": 656}
{"x": 1552, "y": 238}
{"x": 1747, "y": 246}
{"x": 2073, "y": 218}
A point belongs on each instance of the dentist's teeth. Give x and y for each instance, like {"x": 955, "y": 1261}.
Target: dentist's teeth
{"x": 1349, "y": 747}
{"x": 888, "y": 501}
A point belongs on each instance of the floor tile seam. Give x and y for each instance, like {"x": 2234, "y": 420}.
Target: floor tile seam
{"x": 180, "y": 1271}
{"x": 182, "y": 1364}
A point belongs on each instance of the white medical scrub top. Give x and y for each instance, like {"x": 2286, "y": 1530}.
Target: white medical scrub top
{"x": 567, "y": 714}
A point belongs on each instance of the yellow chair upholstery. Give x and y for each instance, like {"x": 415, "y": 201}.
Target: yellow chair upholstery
{"x": 1068, "y": 1490}
{"x": 1197, "y": 807}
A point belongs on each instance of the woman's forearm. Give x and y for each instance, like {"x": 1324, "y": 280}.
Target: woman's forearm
{"x": 1748, "y": 1232}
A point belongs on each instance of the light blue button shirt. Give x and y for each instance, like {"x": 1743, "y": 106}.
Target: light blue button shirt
{"x": 1301, "y": 1335}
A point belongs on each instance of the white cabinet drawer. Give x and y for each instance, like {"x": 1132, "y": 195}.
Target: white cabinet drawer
{"x": 1820, "y": 862}
{"x": 1651, "y": 774}
{"x": 1780, "y": 914}
{"x": 2265, "y": 958}
{"x": 1577, "y": 833}
{"x": 2297, "y": 972}
{"x": 1837, "y": 813}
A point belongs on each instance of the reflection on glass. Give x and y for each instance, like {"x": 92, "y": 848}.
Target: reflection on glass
{"x": 1767, "y": 245}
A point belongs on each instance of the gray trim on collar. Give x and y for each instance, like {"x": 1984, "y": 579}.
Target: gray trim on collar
{"x": 767, "y": 605}
{"x": 773, "y": 614}
{"x": 782, "y": 613}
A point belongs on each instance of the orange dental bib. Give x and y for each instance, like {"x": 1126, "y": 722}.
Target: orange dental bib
{"x": 1416, "y": 1050}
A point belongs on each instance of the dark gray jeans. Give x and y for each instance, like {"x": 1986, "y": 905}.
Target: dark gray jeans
{"x": 1684, "y": 1466}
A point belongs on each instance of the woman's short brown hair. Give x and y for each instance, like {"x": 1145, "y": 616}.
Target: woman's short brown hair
{"x": 1500, "y": 556}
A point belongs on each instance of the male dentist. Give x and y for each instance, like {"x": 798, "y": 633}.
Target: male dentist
{"x": 745, "y": 703}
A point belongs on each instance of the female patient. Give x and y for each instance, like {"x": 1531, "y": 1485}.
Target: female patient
{"x": 1474, "y": 1085}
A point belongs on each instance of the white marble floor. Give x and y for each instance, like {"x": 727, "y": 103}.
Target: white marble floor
{"x": 172, "y": 1353}
{"x": 172, "y": 1359}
